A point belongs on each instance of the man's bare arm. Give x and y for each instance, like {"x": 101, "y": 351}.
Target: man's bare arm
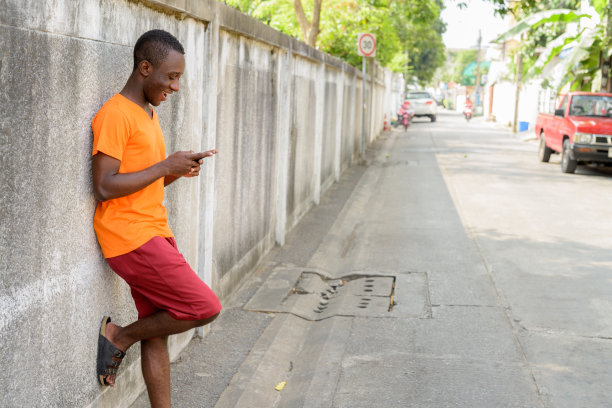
{"x": 109, "y": 183}
{"x": 170, "y": 179}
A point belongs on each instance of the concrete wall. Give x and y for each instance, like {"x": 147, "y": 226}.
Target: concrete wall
{"x": 285, "y": 118}
{"x": 504, "y": 97}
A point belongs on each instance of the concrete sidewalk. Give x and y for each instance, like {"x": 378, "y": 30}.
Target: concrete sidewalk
{"x": 320, "y": 315}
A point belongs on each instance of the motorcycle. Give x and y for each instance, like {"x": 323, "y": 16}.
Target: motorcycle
{"x": 398, "y": 120}
{"x": 404, "y": 115}
{"x": 400, "y": 116}
{"x": 467, "y": 113}
{"x": 406, "y": 119}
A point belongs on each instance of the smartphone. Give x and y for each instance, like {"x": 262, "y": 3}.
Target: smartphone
{"x": 201, "y": 155}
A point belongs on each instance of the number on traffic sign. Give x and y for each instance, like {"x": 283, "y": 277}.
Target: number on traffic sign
{"x": 366, "y": 45}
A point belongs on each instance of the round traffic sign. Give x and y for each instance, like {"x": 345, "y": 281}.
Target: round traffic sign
{"x": 367, "y": 45}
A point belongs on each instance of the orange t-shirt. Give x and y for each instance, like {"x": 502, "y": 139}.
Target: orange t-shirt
{"x": 123, "y": 130}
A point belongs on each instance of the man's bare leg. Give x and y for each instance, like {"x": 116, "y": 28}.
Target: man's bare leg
{"x": 159, "y": 324}
{"x": 156, "y": 370}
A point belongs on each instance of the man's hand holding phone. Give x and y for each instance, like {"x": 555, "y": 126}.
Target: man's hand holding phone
{"x": 198, "y": 158}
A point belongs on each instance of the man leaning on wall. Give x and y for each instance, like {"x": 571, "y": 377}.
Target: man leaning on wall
{"x": 130, "y": 171}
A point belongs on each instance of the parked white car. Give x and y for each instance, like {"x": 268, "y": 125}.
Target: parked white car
{"x": 423, "y": 104}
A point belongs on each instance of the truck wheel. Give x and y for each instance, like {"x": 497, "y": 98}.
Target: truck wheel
{"x": 567, "y": 164}
{"x": 544, "y": 151}
{"x": 432, "y": 118}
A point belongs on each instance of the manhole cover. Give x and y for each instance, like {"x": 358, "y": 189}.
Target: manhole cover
{"x": 316, "y": 295}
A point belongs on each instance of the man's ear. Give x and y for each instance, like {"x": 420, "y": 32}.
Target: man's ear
{"x": 145, "y": 68}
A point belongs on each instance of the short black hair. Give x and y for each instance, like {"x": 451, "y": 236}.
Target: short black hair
{"x": 154, "y": 46}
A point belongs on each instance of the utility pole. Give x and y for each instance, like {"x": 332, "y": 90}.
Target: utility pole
{"x": 519, "y": 70}
{"x": 607, "y": 64}
{"x": 601, "y": 83}
{"x": 372, "y": 90}
{"x": 406, "y": 72}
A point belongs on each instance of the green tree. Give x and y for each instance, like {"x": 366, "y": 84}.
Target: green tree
{"x": 419, "y": 30}
{"x": 457, "y": 63}
{"x": 310, "y": 28}
{"x": 343, "y": 20}
{"x": 409, "y": 32}
{"x": 279, "y": 14}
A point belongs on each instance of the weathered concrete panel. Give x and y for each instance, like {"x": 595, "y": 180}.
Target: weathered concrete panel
{"x": 349, "y": 117}
{"x": 329, "y": 130}
{"x": 246, "y": 126}
{"x": 300, "y": 191}
{"x": 358, "y": 106}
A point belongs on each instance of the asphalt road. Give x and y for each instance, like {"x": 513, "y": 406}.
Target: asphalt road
{"x": 502, "y": 295}
{"x": 546, "y": 238}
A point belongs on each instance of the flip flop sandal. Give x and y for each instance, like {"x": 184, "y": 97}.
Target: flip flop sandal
{"x": 109, "y": 356}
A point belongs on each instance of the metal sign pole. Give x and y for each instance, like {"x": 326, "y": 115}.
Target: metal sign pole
{"x": 366, "y": 47}
{"x": 363, "y": 100}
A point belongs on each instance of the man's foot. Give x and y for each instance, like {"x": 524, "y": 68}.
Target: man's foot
{"x": 111, "y": 334}
{"x": 112, "y": 330}
{"x": 109, "y": 355}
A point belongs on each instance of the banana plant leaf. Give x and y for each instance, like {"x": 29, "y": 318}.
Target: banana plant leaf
{"x": 579, "y": 51}
{"x": 537, "y": 19}
{"x": 565, "y": 41}
{"x": 559, "y": 62}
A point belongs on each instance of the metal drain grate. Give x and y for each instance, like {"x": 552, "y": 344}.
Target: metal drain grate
{"x": 354, "y": 295}
{"x": 315, "y": 295}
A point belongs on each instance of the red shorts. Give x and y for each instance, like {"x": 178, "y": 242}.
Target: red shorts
{"x": 161, "y": 279}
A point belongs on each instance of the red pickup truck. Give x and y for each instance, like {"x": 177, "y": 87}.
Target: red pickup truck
{"x": 580, "y": 129}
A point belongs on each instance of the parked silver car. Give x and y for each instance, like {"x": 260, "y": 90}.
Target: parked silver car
{"x": 423, "y": 104}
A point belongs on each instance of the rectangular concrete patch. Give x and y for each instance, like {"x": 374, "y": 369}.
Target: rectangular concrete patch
{"x": 316, "y": 295}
